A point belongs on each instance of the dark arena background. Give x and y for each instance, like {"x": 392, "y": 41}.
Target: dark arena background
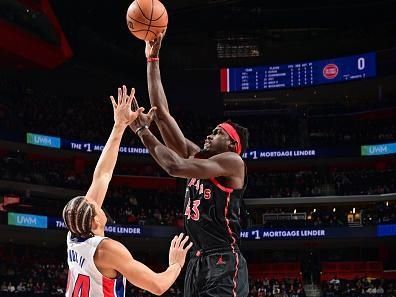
{"x": 314, "y": 82}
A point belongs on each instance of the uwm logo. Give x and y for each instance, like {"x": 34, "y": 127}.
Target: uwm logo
{"x": 26, "y": 220}
{"x": 44, "y": 140}
{"x": 378, "y": 149}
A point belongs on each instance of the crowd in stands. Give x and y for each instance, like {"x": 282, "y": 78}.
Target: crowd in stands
{"x": 326, "y": 216}
{"x": 33, "y": 271}
{"x": 360, "y": 287}
{"x": 23, "y": 109}
{"x": 276, "y": 288}
{"x": 163, "y": 208}
{"x": 145, "y": 207}
{"x": 304, "y": 183}
{"x": 312, "y": 183}
{"x": 122, "y": 206}
{"x": 126, "y": 205}
{"x": 42, "y": 273}
{"x": 383, "y": 213}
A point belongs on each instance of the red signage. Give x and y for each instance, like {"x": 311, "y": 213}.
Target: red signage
{"x": 330, "y": 71}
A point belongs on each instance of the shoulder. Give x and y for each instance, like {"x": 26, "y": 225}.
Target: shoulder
{"x": 228, "y": 157}
{"x": 108, "y": 245}
{"x": 110, "y": 252}
{"x": 109, "y": 248}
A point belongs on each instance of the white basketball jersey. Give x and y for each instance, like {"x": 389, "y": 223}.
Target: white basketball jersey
{"x": 84, "y": 278}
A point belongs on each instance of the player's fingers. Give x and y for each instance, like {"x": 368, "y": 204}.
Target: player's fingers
{"x": 119, "y": 95}
{"x": 160, "y": 37}
{"x": 124, "y": 94}
{"x": 136, "y": 102}
{"x": 140, "y": 110}
{"x": 151, "y": 113}
{"x": 132, "y": 94}
{"x": 184, "y": 241}
{"x": 113, "y": 102}
{"x": 188, "y": 247}
{"x": 178, "y": 240}
{"x": 128, "y": 101}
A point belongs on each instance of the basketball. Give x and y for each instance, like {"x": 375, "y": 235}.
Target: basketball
{"x": 147, "y": 18}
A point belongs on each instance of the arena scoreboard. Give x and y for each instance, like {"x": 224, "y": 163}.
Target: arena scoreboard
{"x": 298, "y": 75}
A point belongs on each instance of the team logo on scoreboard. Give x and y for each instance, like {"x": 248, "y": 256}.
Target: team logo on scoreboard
{"x": 330, "y": 71}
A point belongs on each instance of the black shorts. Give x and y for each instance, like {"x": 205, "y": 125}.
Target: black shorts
{"x": 217, "y": 273}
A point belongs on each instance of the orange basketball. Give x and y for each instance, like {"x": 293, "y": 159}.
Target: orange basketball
{"x": 147, "y": 18}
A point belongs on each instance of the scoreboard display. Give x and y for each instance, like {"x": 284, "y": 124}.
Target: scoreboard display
{"x": 298, "y": 75}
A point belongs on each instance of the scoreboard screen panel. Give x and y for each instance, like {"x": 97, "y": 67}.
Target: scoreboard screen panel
{"x": 298, "y": 75}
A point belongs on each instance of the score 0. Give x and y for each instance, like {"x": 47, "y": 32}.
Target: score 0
{"x": 361, "y": 63}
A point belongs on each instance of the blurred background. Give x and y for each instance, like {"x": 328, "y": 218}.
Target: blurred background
{"x": 314, "y": 81}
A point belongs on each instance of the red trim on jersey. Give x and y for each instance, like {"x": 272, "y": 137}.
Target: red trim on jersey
{"x": 234, "y": 280}
{"x": 108, "y": 287}
{"x": 221, "y": 187}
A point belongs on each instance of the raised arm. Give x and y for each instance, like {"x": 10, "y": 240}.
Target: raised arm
{"x": 227, "y": 164}
{"x": 113, "y": 255}
{"x": 170, "y": 130}
{"x": 123, "y": 116}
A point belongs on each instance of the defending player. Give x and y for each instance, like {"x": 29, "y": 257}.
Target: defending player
{"x": 216, "y": 182}
{"x": 98, "y": 265}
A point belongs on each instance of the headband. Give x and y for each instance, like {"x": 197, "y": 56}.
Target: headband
{"x": 233, "y": 135}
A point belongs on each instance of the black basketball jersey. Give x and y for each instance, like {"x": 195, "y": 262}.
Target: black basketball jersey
{"x": 211, "y": 214}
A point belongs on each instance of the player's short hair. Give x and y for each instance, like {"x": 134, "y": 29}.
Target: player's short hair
{"x": 77, "y": 215}
{"x": 243, "y": 134}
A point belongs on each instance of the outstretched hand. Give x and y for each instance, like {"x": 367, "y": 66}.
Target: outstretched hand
{"x": 144, "y": 119}
{"x": 178, "y": 250}
{"x": 153, "y": 46}
{"x": 123, "y": 114}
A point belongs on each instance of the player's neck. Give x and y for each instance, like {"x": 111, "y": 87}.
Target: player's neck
{"x": 204, "y": 154}
{"x": 98, "y": 232}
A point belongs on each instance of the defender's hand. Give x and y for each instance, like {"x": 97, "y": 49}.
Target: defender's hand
{"x": 178, "y": 250}
{"x": 123, "y": 114}
{"x": 144, "y": 119}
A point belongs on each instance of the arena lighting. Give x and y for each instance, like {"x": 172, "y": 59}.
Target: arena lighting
{"x": 354, "y": 210}
{"x": 387, "y": 203}
{"x": 314, "y": 210}
{"x": 334, "y": 209}
{"x": 295, "y": 211}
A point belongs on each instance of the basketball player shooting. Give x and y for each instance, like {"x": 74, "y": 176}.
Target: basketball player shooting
{"x": 216, "y": 182}
{"x": 98, "y": 266}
